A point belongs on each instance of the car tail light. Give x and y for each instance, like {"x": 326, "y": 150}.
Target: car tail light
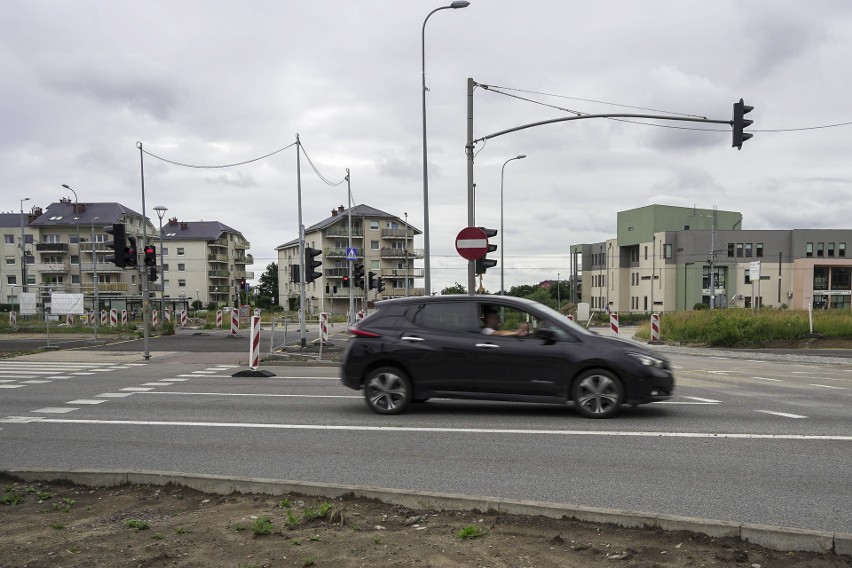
{"x": 355, "y": 332}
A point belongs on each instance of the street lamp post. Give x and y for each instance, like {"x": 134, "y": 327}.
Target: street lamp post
{"x": 160, "y": 212}
{"x": 95, "y": 279}
{"x": 427, "y": 263}
{"x": 502, "y": 171}
{"x": 406, "y": 254}
{"x": 23, "y": 249}
{"x": 79, "y": 252}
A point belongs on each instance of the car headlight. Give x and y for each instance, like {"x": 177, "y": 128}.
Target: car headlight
{"x": 647, "y": 360}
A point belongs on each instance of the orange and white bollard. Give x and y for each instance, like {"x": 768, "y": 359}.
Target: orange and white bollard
{"x": 218, "y": 319}
{"x": 183, "y": 318}
{"x": 235, "y": 321}
{"x": 254, "y": 344}
{"x": 103, "y": 317}
{"x": 613, "y": 323}
{"x": 154, "y": 317}
{"x": 570, "y": 317}
{"x": 69, "y": 320}
{"x": 323, "y": 327}
{"x": 113, "y": 317}
{"x": 13, "y": 318}
{"x": 655, "y": 328}
{"x": 124, "y": 317}
{"x": 168, "y": 315}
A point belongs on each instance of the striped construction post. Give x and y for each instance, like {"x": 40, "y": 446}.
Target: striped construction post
{"x": 168, "y": 315}
{"x": 655, "y": 328}
{"x": 570, "y": 317}
{"x": 103, "y": 317}
{"x": 218, "y": 319}
{"x": 254, "y": 344}
{"x": 235, "y": 321}
{"x": 124, "y": 317}
{"x": 84, "y": 318}
{"x": 359, "y": 316}
{"x": 69, "y": 320}
{"x": 323, "y": 327}
{"x": 613, "y": 323}
{"x": 13, "y": 318}
{"x": 113, "y": 317}
{"x": 154, "y": 316}
{"x": 183, "y": 318}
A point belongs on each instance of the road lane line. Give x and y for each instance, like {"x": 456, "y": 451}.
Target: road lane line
{"x": 256, "y": 394}
{"x": 55, "y": 410}
{"x": 428, "y": 430}
{"x": 85, "y": 401}
{"x": 710, "y": 400}
{"x": 812, "y": 384}
{"x": 768, "y": 379}
{"x": 782, "y": 414}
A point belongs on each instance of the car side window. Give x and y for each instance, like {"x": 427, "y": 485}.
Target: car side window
{"x": 451, "y": 316}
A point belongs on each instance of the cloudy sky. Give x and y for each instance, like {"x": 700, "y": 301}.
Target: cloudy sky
{"x": 215, "y": 83}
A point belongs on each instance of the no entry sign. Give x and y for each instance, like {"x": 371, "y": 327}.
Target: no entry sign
{"x": 472, "y": 243}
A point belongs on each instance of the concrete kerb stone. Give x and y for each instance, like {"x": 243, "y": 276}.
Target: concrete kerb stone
{"x": 776, "y": 538}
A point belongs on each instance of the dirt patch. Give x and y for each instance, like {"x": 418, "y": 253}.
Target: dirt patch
{"x": 59, "y": 524}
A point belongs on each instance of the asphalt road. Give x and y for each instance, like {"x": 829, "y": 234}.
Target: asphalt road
{"x": 747, "y": 440}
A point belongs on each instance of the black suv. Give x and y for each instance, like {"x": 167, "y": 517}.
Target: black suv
{"x": 495, "y": 348}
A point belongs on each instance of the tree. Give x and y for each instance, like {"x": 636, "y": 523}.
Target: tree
{"x": 454, "y": 289}
{"x": 267, "y": 287}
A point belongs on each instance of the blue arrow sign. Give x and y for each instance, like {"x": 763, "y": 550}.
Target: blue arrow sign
{"x": 351, "y": 253}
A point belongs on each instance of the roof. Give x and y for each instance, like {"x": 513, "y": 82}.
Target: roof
{"x": 342, "y": 215}
{"x": 196, "y": 230}
{"x": 62, "y": 214}
{"x": 12, "y": 220}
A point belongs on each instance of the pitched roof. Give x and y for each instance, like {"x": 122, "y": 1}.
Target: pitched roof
{"x": 62, "y": 214}
{"x": 12, "y": 219}
{"x": 196, "y": 230}
{"x": 341, "y": 216}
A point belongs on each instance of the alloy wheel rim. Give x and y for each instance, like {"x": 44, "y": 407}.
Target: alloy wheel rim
{"x": 386, "y": 391}
{"x": 597, "y": 394}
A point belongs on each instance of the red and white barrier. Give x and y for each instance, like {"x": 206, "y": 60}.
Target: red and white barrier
{"x": 323, "y": 327}
{"x": 168, "y": 315}
{"x": 124, "y": 317}
{"x": 613, "y": 323}
{"x": 69, "y": 320}
{"x": 359, "y": 316}
{"x": 84, "y": 318}
{"x": 13, "y": 318}
{"x": 254, "y": 345}
{"x": 655, "y": 328}
{"x": 235, "y": 321}
{"x": 113, "y": 317}
{"x": 218, "y": 319}
{"x": 154, "y": 317}
{"x": 103, "y": 317}
{"x": 183, "y": 318}
{"x": 570, "y": 317}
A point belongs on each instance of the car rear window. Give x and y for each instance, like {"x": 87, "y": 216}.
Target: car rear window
{"x": 452, "y": 316}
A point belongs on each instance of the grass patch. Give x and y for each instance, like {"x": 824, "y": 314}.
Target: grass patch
{"x": 262, "y": 526}
{"x": 313, "y": 513}
{"x": 11, "y": 499}
{"x": 470, "y": 532}
{"x": 137, "y": 524}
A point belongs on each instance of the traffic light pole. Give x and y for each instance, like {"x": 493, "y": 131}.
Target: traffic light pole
{"x": 471, "y": 84}
{"x": 302, "y": 274}
{"x": 351, "y": 318}
{"x": 142, "y": 276}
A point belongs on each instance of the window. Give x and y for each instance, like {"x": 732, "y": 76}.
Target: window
{"x": 180, "y": 251}
{"x": 181, "y": 268}
{"x": 11, "y": 279}
{"x": 646, "y": 252}
{"x": 820, "y": 278}
{"x": 841, "y": 278}
{"x": 730, "y": 249}
{"x": 10, "y": 261}
{"x": 809, "y": 249}
{"x": 748, "y": 250}
{"x": 28, "y": 239}
{"x": 164, "y": 251}
{"x": 165, "y": 267}
{"x": 374, "y": 225}
{"x": 375, "y": 264}
{"x": 9, "y": 239}
{"x": 758, "y": 250}
{"x": 739, "y": 250}
{"x": 667, "y": 251}
{"x": 374, "y": 245}
{"x": 841, "y": 249}
{"x": 455, "y": 316}
{"x": 50, "y": 239}
{"x": 820, "y": 247}
{"x": 73, "y": 239}
{"x": 75, "y": 259}
{"x": 182, "y": 283}
{"x": 830, "y": 249}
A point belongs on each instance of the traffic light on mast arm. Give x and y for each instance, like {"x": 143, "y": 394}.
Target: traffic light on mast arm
{"x": 739, "y": 123}
{"x": 359, "y": 275}
{"x": 150, "y": 256}
{"x": 130, "y": 258}
{"x": 484, "y": 263}
{"x": 371, "y": 280}
{"x": 119, "y": 243}
{"x": 311, "y": 265}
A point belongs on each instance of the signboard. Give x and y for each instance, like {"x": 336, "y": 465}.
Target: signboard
{"x": 754, "y": 270}
{"x": 351, "y": 253}
{"x": 472, "y": 243}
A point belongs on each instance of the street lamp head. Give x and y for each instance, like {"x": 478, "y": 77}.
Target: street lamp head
{"x": 459, "y": 4}
{"x": 160, "y": 211}
{"x": 522, "y": 156}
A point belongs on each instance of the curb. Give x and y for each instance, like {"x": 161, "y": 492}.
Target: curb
{"x": 772, "y": 537}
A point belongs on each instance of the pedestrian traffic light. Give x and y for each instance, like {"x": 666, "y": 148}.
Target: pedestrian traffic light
{"x": 294, "y": 273}
{"x": 130, "y": 253}
{"x": 242, "y": 284}
{"x": 483, "y": 263}
{"x": 150, "y": 256}
{"x": 371, "y": 280}
{"x": 119, "y": 243}
{"x": 311, "y": 265}
{"x": 359, "y": 275}
{"x": 739, "y": 123}
{"x": 380, "y": 284}
{"x": 152, "y": 274}
{"x": 346, "y": 282}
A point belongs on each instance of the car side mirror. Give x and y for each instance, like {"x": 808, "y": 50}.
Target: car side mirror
{"x": 546, "y": 334}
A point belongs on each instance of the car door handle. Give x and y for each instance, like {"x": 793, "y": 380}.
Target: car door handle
{"x": 487, "y": 345}
{"x": 412, "y": 338}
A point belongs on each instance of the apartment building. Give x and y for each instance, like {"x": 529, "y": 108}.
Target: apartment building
{"x": 66, "y": 249}
{"x": 383, "y": 243}
{"x": 666, "y": 258}
{"x": 203, "y": 261}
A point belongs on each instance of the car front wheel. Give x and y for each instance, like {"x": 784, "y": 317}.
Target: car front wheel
{"x": 387, "y": 391}
{"x": 597, "y": 394}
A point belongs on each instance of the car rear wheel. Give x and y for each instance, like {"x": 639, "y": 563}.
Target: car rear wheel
{"x": 387, "y": 390}
{"x": 597, "y": 394}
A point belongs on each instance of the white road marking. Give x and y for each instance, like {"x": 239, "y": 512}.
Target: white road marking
{"x": 157, "y": 384}
{"x": 722, "y": 358}
{"x": 683, "y": 402}
{"x": 204, "y": 372}
{"x": 113, "y": 394}
{"x": 703, "y": 399}
{"x": 212, "y": 376}
{"x": 172, "y": 380}
{"x": 719, "y": 372}
{"x": 54, "y": 410}
{"x": 812, "y": 384}
{"x": 85, "y": 401}
{"x": 257, "y": 394}
{"x": 799, "y": 372}
{"x": 59, "y": 377}
{"x": 7, "y": 380}
{"x": 136, "y": 389}
{"x": 427, "y": 430}
{"x": 768, "y": 379}
{"x": 35, "y": 382}
{"x": 10, "y": 386}
{"x": 783, "y": 414}
{"x": 137, "y": 364}
{"x": 80, "y": 373}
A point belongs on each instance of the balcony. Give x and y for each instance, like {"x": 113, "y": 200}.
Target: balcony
{"x": 219, "y": 274}
{"x": 402, "y": 272}
{"x": 343, "y": 231}
{"x": 103, "y": 267}
{"x": 106, "y": 287}
{"x": 400, "y": 292}
{"x": 51, "y": 267}
{"x": 218, "y": 243}
{"x": 398, "y": 234}
{"x": 242, "y": 245}
{"x": 337, "y": 253}
{"x": 338, "y": 272}
{"x": 217, "y": 258}
{"x": 97, "y": 246}
{"x": 390, "y": 252}
{"x": 52, "y": 247}
{"x": 241, "y": 260}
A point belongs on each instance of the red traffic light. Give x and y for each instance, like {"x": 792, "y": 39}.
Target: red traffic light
{"x": 149, "y": 250}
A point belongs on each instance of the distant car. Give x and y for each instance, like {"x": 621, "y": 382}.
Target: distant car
{"x": 413, "y": 349}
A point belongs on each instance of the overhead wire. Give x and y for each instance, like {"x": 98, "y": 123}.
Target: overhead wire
{"x": 196, "y": 166}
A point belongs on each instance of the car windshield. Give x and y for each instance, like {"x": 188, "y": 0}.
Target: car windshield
{"x": 556, "y": 316}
